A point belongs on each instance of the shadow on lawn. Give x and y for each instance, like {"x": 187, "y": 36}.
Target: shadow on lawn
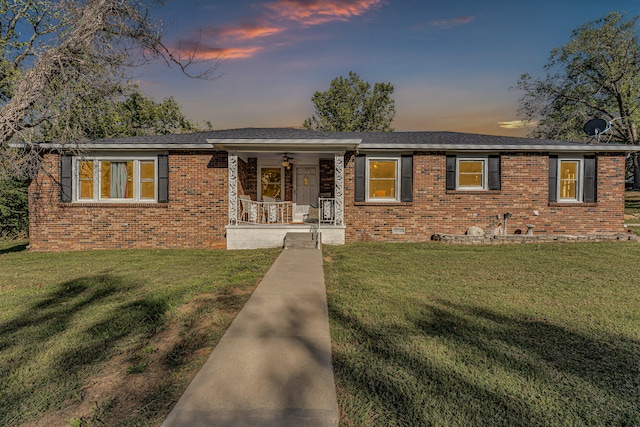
{"x": 18, "y": 247}
{"x": 34, "y": 355}
{"x": 558, "y": 377}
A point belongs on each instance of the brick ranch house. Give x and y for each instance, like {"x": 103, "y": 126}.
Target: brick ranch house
{"x": 246, "y": 188}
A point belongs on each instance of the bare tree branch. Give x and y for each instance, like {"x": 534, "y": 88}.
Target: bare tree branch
{"x": 76, "y": 45}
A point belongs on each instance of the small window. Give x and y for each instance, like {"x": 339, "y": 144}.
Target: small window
{"x": 573, "y": 179}
{"x": 115, "y": 179}
{"x": 569, "y": 178}
{"x": 382, "y": 179}
{"x": 471, "y": 173}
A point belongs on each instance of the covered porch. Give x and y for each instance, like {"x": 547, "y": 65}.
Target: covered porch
{"x": 276, "y": 187}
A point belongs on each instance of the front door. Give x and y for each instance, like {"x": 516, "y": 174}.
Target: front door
{"x": 306, "y": 190}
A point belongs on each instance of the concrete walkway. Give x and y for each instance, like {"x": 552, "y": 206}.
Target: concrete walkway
{"x": 273, "y": 365}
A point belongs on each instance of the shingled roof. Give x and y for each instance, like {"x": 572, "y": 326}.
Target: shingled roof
{"x": 423, "y": 140}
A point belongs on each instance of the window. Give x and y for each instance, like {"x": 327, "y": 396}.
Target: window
{"x": 382, "y": 179}
{"x": 116, "y": 179}
{"x": 473, "y": 173}
{"x": 147, "y": 180}
{"x": 572, "y": 179}
{"x": 569, "y": 180}
{"x": 271, "y": 182}
{"x": 85, "y": 180}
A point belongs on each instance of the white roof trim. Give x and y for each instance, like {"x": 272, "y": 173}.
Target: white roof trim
{"x": 115, "y": 146}
{"x": 498, "y": 147}
{"x": 332, "y": 145}
{"x": 283, "y": 144}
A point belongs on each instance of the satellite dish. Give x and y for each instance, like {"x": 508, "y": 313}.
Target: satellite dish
{"x": 596, "y": 127}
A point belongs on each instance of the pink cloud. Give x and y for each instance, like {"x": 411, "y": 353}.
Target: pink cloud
{"x": 270, "y": 23}
{"x": 227, "y": 42}
{"x": 203, "y": 51}
{"x": 314, "y": 12}
{"x": 243, "y": 31}
{"x": 230, "y": 52}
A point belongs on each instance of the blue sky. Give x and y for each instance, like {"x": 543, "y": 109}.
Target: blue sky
{"x": 452, "y": 63}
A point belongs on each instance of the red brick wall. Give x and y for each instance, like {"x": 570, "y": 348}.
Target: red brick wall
{"x": 524, "y": 189}
{"x": 247, "y": 177}
{"x": 327, "y": 176}
{"x": 288, "y": 184}
{"x": 195, "y": 216}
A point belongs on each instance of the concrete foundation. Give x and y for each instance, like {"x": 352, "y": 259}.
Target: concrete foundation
{"x": 250, "y": 236}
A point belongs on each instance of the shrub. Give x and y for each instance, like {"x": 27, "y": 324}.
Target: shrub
{"x": 14, "y": 208}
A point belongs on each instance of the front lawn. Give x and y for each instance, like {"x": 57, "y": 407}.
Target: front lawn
{"x": 112, "y": 337}
{"x": 514, "y": 335}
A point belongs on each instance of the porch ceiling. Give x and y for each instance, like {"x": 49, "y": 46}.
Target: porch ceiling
{"x": 285, "y": 145}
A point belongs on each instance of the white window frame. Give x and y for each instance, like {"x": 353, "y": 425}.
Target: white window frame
{"x": 97, "y": 176}
{"x": 485, "y": 173}
{"x": 579, "y": 180}
{"x": 397, "y": 160}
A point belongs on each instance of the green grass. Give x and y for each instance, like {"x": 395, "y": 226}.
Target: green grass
{"x": 63, "y": 315}
{"x": 526, "y": 335}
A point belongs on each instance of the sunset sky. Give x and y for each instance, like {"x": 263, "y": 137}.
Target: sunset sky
{"x": 452, "y": 63}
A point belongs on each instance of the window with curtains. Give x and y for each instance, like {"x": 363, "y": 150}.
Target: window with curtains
{"x": 116, "y": 179}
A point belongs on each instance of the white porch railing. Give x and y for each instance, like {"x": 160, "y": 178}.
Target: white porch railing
{"x": 252, "y": 212}
{"x": 327, "y": 211}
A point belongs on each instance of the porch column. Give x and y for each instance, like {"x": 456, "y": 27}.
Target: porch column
{"x": 339, "y": 187}
{"x": 233, "y": 187}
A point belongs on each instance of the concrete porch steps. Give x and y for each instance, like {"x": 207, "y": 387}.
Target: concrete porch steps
{"x": 310, "y": 240}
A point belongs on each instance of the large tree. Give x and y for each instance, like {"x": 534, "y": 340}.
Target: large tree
{"x": 352, "y": 105}
{"x": 596, "y": 74}
{"x": 132, "y": 115}
{"x": 56, "y": 55}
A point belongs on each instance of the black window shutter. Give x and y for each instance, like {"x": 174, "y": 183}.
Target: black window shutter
{"x": 406, "y": 180}
{"x": 451, "y": 172}
{"x": 361, "y": 166}
{"x": 494, "y": 172}
{"x": 163, "y": 178}
{"x": 66, "y": 178}
{"x": 589, "y": 182}
{"x": 553, "y": 178}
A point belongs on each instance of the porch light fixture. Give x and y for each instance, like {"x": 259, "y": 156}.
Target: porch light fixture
{"x": 285, "y": 162}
